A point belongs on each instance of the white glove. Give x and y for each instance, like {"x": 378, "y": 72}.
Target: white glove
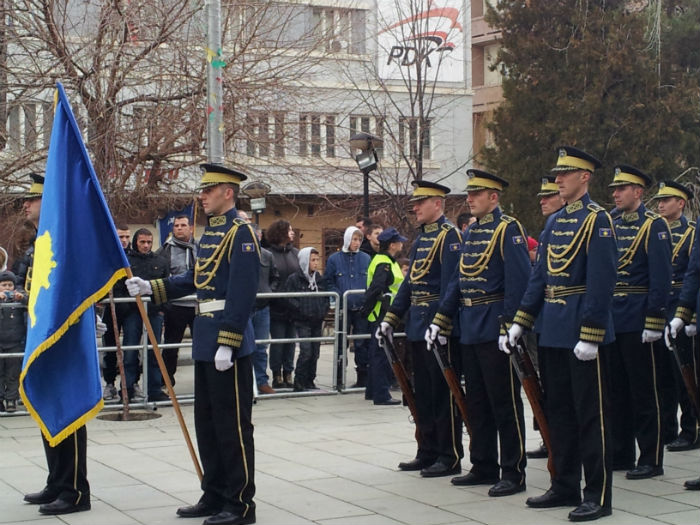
{"x": 502, "y": 340}
{"x": 649, "y": 336}
{"x": 222, "y": 359}
{"x": 515, "y": 332}
{"x": 586, "y": 351}
{"x": 100, "y": 327}
{"x": 431, "y": 334}
{"x": 384, "y": 330}
{"x": 137, "y": 286}
{"x": 672, "y": 329}
{"x": 691, "y": 330}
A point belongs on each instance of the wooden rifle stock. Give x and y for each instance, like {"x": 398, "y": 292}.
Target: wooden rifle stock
{"x": 453, "y": 383}
{"x": 531, "y": 385}
{"x": 403, "y": 380}
{"x": 688, "y": 374}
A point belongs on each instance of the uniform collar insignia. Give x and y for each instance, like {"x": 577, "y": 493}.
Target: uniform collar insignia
{"x": 486, "y": 218}
{"x": 217, "y": 220}
{"x": 675, "y": 224}
{"x": 630, "y": 217}
{"x": 574, "y": 206}
{"x": 432, "y": 227}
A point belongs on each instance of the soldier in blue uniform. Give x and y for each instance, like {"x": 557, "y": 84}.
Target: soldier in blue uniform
{"x": 688, "y": 304}
{"x": 671, "y": 200}
{"x": 433, "y": 257}
{"x": 489, "y": 282}
{"x": 67, "y": 488}
{"x": 225, "y": 279}
{"x": 641, "y": 293}
{"x": 571, "y": 288}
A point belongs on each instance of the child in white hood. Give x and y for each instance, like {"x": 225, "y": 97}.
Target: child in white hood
{"x": 307, "y": 313}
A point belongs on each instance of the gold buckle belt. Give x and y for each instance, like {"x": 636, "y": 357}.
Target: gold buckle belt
{"x": 552, "y": 292}
{"x": 211, "y": 306}
{"x": 418, "y": 300}
{"x": 486, "y": 299}
{"x": 631, "y": 290}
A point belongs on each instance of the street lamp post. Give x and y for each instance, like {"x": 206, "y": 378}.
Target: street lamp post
{"x": 256, "y": 191}
{"x": 366, "y": 160}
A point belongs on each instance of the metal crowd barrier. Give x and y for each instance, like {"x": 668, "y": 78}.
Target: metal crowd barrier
{"x": 339, "y": 338}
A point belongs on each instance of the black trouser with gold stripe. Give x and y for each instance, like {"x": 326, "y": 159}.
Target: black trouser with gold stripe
{"x": 67, "y": 463}
{"x": 439, "y": 425}
{"x": 223, "y": 403}
{"x": 577, "y": 411}
{"x": 636, "y": 409}
{"x": 495, "y": 413}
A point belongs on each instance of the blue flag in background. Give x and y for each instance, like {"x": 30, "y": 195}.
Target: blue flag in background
{"x": 77, "y": 259}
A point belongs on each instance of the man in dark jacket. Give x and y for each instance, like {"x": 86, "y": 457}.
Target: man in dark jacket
{"x": 178, "y": 250}
{"x": 147, "y": 265}
{"x": 308, "y": 313}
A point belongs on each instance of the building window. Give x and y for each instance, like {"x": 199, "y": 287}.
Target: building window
{"x": 321, "y": 129}
{"x": 368, "y": 124}
{"x": 332, "y": 242}
{"x": 411, "y": 136}
{"x": 342, "y": 30}
{"x": 264, "y": 134}
{"x": 28, "y": 126}
{"x": 492, "y": 77}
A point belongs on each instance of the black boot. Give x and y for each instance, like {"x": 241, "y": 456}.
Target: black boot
{"x": 361, "y": 378}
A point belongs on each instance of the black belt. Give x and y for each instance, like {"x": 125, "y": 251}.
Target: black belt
{"x": 485, "y": 299}
{"x": 635, "y": 290}
{"x": 552, "y": 292}
{"x": 422, "y": 300}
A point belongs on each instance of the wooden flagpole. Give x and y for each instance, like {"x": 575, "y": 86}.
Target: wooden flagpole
{"x": 166, "y": 379}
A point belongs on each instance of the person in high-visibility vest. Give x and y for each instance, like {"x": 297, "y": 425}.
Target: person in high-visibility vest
{"x": 384, "y": 276}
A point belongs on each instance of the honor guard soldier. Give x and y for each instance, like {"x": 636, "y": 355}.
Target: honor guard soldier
{"x": 639, "y": 302}
{"x": 671, "y": 200}
{"x": 225, "y": 279}
{"x": 489, "y": 282}
{"x": 550, "y": 202}
{"x": 67, "y": 489}
{"x": 433, "y": 258}
{"x": 688, "y": 304}
{"x": 571, "y": 288}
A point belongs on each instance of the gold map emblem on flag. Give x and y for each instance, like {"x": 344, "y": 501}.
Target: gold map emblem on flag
{"x": 41, "y": 269}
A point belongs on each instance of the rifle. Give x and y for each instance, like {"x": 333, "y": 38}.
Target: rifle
{"x": 440, "y": 352}
{"x": 403, "y": 380}
{"x": 688, "y": 374}
{"x": 531, "y": 384}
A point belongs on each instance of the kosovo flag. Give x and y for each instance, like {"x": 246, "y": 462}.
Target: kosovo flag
{"x": 77, "y": 259}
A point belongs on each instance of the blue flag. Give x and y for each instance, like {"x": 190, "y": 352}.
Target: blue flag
{"x": 77, "y": 259}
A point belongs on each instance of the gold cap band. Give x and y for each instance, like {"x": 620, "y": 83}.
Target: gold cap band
{"x": 428, "y": 192}
{"x": 549, "y": 188}
{"x": 36, "y": 189}
{"x": 668, "y": 191}
{"x": 623, "y": 178}
{"x": 574, "y": 162}
{"x": 212, "y": 177}
{"x": 482, "y": 183}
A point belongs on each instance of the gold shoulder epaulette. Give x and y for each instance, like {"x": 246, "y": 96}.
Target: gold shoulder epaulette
{"x": 447, "y": 226}
{"x": 651, "y": 215}
{"x": 239, "y": 221}
{"x": 595, "y": 207}
{"x": 507, "y": 218}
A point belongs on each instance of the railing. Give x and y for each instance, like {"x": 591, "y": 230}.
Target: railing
{"x": 338, "y": 339}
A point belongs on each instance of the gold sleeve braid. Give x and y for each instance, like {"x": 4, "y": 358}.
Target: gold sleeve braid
{"x": 159, "y": 294}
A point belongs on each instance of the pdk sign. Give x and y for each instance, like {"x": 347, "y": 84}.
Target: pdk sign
{"x": 426, "y": 32}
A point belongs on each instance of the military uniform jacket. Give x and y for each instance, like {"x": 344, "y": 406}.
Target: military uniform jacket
{"x": 434, "y": 256}
{"x": 643, "y": 271}
{"x": 689, "y": 299}
{"x": 227, "y": 266}
{"x": 489, "y": 280}
{"x": 573, "y": 281}
{"x": 682, "y": 240}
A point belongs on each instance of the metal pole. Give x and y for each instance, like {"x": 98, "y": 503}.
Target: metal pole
{"x": 365, "y": 196}
{"x": 215, "y": 65}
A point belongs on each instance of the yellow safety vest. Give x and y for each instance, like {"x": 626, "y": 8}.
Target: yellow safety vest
{"x": 378, "y": 259}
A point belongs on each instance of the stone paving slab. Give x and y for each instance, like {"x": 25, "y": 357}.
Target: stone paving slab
{"x": 328, "y": 460}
